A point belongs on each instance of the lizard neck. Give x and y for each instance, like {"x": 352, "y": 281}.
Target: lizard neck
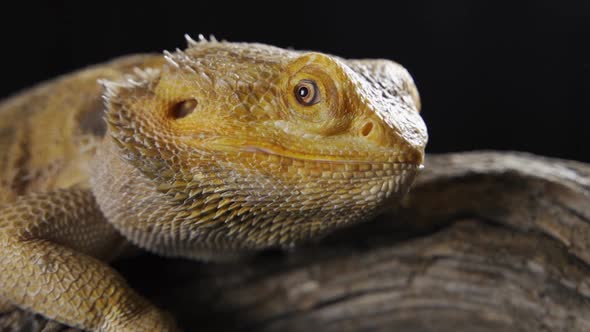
{"x": 130, "y": 203}
{"x": 148, "y": 218}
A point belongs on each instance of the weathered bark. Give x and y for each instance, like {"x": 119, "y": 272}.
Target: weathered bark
{"x": 485, "y": 242}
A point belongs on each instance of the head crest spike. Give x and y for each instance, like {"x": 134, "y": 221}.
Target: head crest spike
{"x": 146, "y": 74}
{"x": 202, "y": 38}
{"x": 212, "y": 38}
{"x": 170, "y": 59}
{"x": 189, "y": 41}
{"x": 181, "y": 57}
{"x": 110, "y": 88}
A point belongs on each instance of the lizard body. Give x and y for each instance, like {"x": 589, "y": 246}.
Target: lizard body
{"x": 208, "y": 153}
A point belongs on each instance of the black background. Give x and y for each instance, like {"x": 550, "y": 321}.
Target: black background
{"x": 513, "y": 76}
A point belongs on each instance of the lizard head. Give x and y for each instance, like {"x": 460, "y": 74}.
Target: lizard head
{"x": 235, "y": 145}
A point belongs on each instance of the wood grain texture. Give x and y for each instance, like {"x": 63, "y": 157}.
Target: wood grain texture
{"x": 486, "y": 241}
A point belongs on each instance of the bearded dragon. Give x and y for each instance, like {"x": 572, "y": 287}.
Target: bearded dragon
{"x": 210, "y": 153}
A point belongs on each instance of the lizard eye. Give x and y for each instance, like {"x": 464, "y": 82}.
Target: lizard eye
{"x": 307, "y": 93}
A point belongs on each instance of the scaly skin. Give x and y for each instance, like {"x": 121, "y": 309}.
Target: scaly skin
{"x": 209, "y": 153}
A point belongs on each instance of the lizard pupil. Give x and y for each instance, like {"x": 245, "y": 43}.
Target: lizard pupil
{"x": 307, "y": 92}
{"x": 303, "y": 91}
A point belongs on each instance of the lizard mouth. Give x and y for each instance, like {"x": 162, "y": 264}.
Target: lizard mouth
{"x": 346, "y": 164}
{"x": 368, "y": 157}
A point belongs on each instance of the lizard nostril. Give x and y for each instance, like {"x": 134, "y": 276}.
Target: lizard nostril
{"x": 367, "y": 128}
{"x": 183, "y": 108}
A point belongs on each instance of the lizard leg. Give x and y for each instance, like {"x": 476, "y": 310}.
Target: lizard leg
{"x": 51, "y": 247}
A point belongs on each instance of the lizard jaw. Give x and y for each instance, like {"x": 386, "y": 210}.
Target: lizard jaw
{"x": 326, "y": 159}
{"x": 365, "y": 157}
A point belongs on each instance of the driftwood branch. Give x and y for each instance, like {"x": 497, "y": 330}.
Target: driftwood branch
{"x": 485, "y": 242}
